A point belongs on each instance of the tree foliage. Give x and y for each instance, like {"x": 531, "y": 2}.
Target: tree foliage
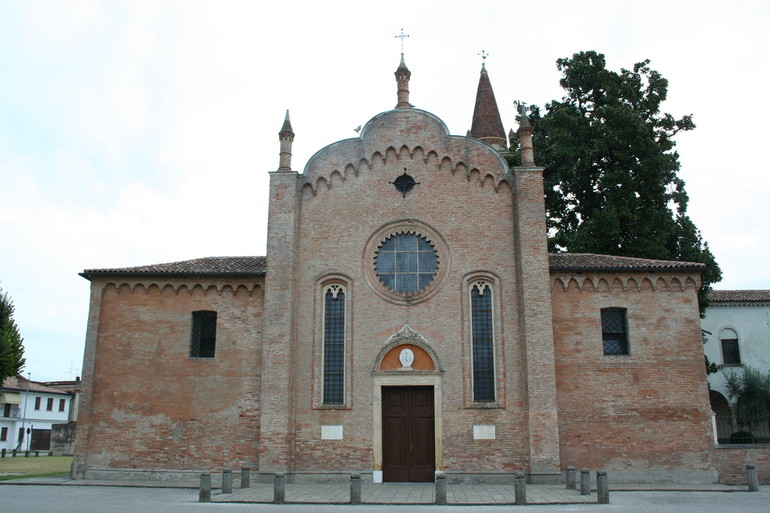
{"x": 749, "y": 390}
{"x": 611, "y": 169}
{"x": 11, "y": 343}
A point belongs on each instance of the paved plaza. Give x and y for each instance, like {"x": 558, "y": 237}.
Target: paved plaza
{"x": 28, "y": 496}
{"x": 407, "y": 493}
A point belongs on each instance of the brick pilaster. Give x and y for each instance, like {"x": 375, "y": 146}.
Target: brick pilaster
{"x": 536, "y": 328}
{"x": 275, "y": 441}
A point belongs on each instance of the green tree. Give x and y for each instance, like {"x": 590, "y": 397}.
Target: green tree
{"x": 749, "y": 390}
{"x": 611, "y": 169}
{"x": 11, "y": 343}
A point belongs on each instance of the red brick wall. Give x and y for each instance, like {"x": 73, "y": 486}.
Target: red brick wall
{"x": 646, "y": 410}
{"x": 463, "y": 196}
{"x": 150, "y": 405}
{"x": 731, "y": 463}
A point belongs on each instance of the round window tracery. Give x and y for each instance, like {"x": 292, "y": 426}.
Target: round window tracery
{"x": 406, "y": 263}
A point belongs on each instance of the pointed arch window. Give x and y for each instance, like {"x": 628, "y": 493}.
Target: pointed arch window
{"x": 483, "y": 341}
{"x": 334, "y": 345}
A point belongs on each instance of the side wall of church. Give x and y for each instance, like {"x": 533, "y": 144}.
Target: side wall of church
{"x": 644, "y": 410}
{"x": 148, "y": 403}
{"x": 463, "y": 205}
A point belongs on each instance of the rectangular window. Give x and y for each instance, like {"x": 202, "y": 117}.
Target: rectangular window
{"x": 334, "y": 346}
{"x": 4, "y": 434}
{"x": 49, "y": 404}
{"x": 62, "y": 403}
{"x": 204, "y": 334}
{"x": 37, "y": 403}
{"x": 7, "y": 410}
{"x": 483, "y": 343}
{"x": 21, "y": 435}
{"x": 614, "y": 331}
{"x": 731, "y": 353}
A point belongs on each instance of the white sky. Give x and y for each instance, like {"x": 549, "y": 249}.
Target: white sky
{"x": 135, "y": 132}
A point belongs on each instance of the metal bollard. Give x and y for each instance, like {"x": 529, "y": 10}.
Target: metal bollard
{"x": 245, "y": 477}
{"x": 3, "y": 453}
{"x": 13, "y": 453}
{"x": 520, "y": 488}
{"x": 227, "y": 480}
{"x": 37, "y": 453}
{"x": 585, "y": 481}
{"x": 440, "y": 488}
{"x": 751, "y": 474}
{"x": 355, "y": 488}
{"x": 26, "y": 454}
{"x": 602, "y": 487}
{"x": 204, "y": 495}
{"x": 571, "y": 479}
{"x": 279, "y": 488}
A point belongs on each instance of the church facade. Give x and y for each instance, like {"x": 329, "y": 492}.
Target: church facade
{"x": 407, "y": 319}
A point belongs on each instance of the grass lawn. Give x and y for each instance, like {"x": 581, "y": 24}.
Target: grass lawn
{"x": 12, "y": 468}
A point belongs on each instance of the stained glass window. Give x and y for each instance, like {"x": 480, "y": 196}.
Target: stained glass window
{"x": 406, "y": 263}
{"x": 334, "y": 345}
{"x": 483, "y": 343}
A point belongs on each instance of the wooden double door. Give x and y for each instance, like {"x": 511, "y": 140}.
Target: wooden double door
{"x": 408, "y": 434}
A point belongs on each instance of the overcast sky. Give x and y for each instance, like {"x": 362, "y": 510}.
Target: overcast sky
{"x": 135, "y": 133}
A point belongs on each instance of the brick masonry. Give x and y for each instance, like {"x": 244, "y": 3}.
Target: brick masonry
{"x": 559, "y": 401}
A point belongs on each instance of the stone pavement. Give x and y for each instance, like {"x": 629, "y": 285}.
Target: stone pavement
{"x": 423, "y": 493}
{"x": 386, "y": 493}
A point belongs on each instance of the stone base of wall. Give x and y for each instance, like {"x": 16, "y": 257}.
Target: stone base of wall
{"x": 731, "y": 461}
{"x": 63, "y": 438}
{"x": 735, "y": 474}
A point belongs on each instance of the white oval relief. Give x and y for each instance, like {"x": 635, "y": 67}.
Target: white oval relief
{"x": 406, "y": 357}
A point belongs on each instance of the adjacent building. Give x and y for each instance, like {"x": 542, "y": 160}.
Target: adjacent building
{"x": 737, "y": 334}
{"x": 30, "y": 411}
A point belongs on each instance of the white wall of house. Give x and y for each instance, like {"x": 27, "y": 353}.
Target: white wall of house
{"x": 36, "y": 411}
{"x": 751, "y": 322}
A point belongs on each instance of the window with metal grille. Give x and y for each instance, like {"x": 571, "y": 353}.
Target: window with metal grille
{"x": 37, "y": 402}
{"x": 483, "y": 343}
{"x": 334, "y": 345}
{"x": 49, "y": 404}
{"x": 61, "y": 404}
{"x": 614, "y": 331}
{"x": 4, "y": 434}
{"x": 731, "y": 354}
{"x": 203, "y": 340}
{"x": 406, "y": 263}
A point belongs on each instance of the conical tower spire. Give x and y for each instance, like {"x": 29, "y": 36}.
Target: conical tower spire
{"x": 286, "y": 136}
{"x": 487, "y": 125}
{"x": 402, "y": 79}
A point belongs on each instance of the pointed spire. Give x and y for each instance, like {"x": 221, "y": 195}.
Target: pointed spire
{"x": 487, "y": 125}
{"x": 286, "y": 137}
{"x": 402, "y": 79}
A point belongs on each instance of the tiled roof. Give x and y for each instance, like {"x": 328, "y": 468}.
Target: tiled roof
{"x": 739, "y": 296}
{"x": 208, "y": 266}
{"x": 257, "y": 266}
{"x": 20, "y": 384}
{"x": 593, "y": 262}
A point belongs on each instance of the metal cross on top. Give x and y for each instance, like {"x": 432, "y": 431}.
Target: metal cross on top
{"x": 402, "y": 36}
{"x": 484, "y": 56}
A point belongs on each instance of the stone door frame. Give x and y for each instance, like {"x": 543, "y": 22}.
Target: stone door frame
{"x": 406, "y": 380}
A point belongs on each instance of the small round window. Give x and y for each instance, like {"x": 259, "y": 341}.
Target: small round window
{"x": 406, "y": 263}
